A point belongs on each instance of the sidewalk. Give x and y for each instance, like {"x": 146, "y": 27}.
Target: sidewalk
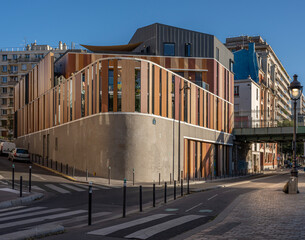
{"x": 262, "y": 214}
{"x": 11, "y": 197}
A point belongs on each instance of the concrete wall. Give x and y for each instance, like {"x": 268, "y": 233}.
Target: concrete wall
{"x": 124, "y": 141}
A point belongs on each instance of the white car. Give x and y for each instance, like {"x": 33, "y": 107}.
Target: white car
{"x": 19, "y": 154}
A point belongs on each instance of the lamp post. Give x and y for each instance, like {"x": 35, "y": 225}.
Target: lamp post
{"x": 295, "y": 90}
{"x": 185, "y": 87}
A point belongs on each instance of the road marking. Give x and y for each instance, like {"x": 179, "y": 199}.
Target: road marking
{"x": 193, "y": 207}
{"x": 108, "y": 230}
{"x": 212, "y": 197}
{"x": 41, "y": 178}
{"x": 1, "y": 177}
{"x": 40, "y": 219}
{"x": 205, "y": 211}
{"x": 87, "y": 187}
{"x": 57, "y": 189}
{"x": 38, "y": 188}
{"x": 31, "y": 214}
{"x": 21, "y": 211}
{"x": 12, "y": 208}
{"x": 150, "y": 231}
{"x": 171, "y": 209}
{"x": 5, "y": 183}
{"x": 73, "y": 187}
{"x": 81, "y": 218}
{"x": 10, "y": 190}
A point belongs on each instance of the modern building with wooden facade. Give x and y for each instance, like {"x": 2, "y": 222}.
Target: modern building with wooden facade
{"x": 120, "y": 107}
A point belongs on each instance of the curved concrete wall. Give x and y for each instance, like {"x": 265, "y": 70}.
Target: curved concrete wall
{"x": 124, "y": 141}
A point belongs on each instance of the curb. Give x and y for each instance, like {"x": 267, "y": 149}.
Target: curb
{"x": 58, "y": 173}
{"x": 39, "y": 231}
{"x": 20, "y": 201}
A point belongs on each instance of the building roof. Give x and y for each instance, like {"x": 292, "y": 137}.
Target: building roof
{"x": 115, "y": 48}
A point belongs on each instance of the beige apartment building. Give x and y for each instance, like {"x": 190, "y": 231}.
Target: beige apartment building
{"x": 254, "y": 56}
{"x": 14, "y": 64}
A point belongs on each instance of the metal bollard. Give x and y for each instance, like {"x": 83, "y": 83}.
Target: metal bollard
{"x": 67, "y": 169}
{"x": 20, "y": 186}
{"x": 165, "y": 194}
{"x": 140, "y": 198}
{"x": 30, "y": 178}
{"x": 170, "y": 178}
{"x": 124, "y": 199}
{"x": 61, "y": 167}
{"x": 86, "y": 174}
{"x": 73, "y": 171}
{"x": 90, "y": 204}
{"x": 133, "y": 176}
{"x": 154, "y": 195}
{"x": 181, "y": 191}
{"x": 109, "y": 174}
{"x": 174, "y": 189}
{"x": 13, "y": 176}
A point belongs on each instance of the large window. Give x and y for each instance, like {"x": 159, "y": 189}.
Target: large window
{"x": 4, "y": 68}
{"x": 236, "y": 91}
{"x": 110, "y": 90}
{"x": 169, "y": 49}
{"x": 4, "y": 57}
{"x": 4, "y": 79}
{"x": 138, "y": 90}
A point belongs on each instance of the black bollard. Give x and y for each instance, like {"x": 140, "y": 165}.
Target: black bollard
{"x": 86, "y": 174}
{"x": 140, "y": 198}
{"x": 67, "y": 169}
{"x": 165, "y": 194}
{"x": 90, "y": 204}
{"x": 20, "y": 186}
{"x": 181, "y": 191}
{"x": 124, "y": 199}
{"x": 159, "y": 178}
{"x": 170, "y": 178}
{"x": 133, "y": 176}
{"x": 13, "y": 176}
{"x": 30, "y": 178}
{"x": 109, "y": 174}
{"x": 56, "y": 165}
{"x": 51, "y": 164}
{"x": 174, "y": 189}
{"x": 154, "y": 195}
{"x": 61, "y": 167}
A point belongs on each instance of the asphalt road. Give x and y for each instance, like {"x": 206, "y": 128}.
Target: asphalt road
{"x": 66, "y": 203}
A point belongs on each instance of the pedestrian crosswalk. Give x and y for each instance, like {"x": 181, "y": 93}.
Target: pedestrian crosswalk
{"x": 63, "y": 188}
{"x": 23, "y": 217}
{"x": 147, "y": 227}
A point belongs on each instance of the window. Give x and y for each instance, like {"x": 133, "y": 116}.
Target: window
{"x": 169, "y": 49}
{"x": 187, "y": 49}
{"x": 4, "y": 57}
{"x": 4, "y": 68}
{"x": 4, "y": 112}
{"x": 23, "y": 67}
{"x": 257, "y": 94}
{"x": 217, "y": 53}
{"x": 256, "y": 111}
{"x": 4, "y": 79}
{"x": 14, "y": 68}
{"x": 236, "y": 91}
{"x": 15, "y": 56}
{"x": 4, "y": 90}
{"x": 110, "y": 90}
{"x": 4, "y": 101}
{"x": 27, "y": 56}
{"x": 231, "y": 65}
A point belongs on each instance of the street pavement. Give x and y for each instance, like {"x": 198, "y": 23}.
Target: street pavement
{"x": 194, "y": 216}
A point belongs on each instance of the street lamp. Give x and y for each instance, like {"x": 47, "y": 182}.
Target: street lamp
{"x": 295, "y": 90}
{"x": 185, "y": 87}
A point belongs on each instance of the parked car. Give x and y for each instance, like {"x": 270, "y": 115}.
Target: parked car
{"x": 7, "y": 147}
{"x": 19, "y": 154}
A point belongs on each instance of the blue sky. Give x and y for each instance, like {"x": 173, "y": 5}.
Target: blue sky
{"x": 280, "y": 23}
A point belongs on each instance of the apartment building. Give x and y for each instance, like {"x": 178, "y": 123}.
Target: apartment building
{"x": 14, "y": 64}
{"x": 159, "y": 108}
{"x": 254, "y": 57}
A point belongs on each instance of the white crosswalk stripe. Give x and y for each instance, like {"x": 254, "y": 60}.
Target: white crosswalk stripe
{"x": 40, "y": 219}
{"x": 11, "y": 208}
{"x": 38, "y": 188}
{"x": 153, "y": 230}
{"x": 115, "y": 228}
{"x": 73, "y": 187}
{"x": 87, "y": 187}
{"x": 24, "y": 215}
{"x": 57, "y": 189}
{"x": 21, "y": 211}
